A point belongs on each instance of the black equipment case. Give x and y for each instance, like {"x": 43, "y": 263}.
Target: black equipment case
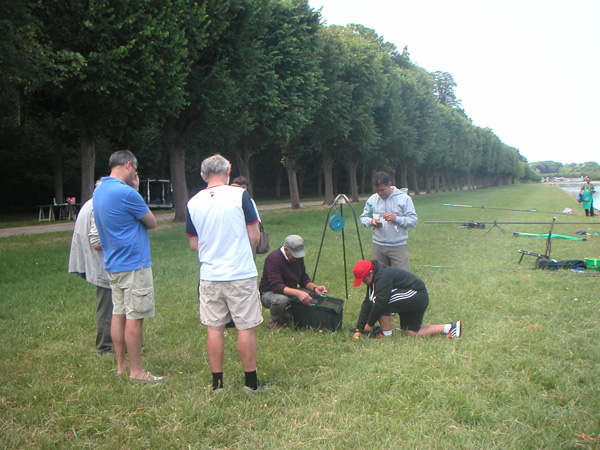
{"x": 325, "y": 313}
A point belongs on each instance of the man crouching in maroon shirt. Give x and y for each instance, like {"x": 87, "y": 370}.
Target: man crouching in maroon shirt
{"x": 284, "y": 273}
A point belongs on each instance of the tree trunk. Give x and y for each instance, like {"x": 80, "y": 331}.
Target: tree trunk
{"x": 293, "y": 181}
{"x": 403, "y": 177}
{"x": 336, "y": 189}
{"x": 88, "y": 164}
{"x": 328, "y": 175}
{"x": 243, "y": 154}
{"x": 428, "y": 180}
{"x": 320, "y": 185}
{"x": 178, "y": 179}
{"x": 352, "y": 167}
{"x": 392, "y": 177}
{"x": 415, "y": 183}
{"x": 278, "y": 178}
{"x": 363, "y": 177}
{"x": 58, "y": 167}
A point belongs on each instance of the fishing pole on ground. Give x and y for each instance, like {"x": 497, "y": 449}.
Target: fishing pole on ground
{"x": 481, "y": 225}
{"x": 543, "y": 261}
{"x": 498, "y": 222}
{"x": 507, "y": 209}
{"x": 546, "y": 235}
{"x": 493, "y": 269}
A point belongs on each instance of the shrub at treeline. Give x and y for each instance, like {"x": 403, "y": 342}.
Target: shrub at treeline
{"x": 556, "y": 169}
{"x": 264, "y": 82}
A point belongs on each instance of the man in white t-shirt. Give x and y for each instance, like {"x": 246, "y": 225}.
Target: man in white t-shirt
{"x": 222, "y": 227}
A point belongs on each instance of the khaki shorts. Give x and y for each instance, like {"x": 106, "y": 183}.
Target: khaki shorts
{"x": 222, "y": 301}
{"x": 133, "y": 293}
{"x": 391, "y": 256}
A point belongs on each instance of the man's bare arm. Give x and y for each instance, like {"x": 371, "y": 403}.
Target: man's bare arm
{"x": 253, "y": 235}
{"x": 193, "y": 243}
{"x": 149, "y": 220}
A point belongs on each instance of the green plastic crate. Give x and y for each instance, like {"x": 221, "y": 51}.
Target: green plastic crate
{"x": 593, "y": 264}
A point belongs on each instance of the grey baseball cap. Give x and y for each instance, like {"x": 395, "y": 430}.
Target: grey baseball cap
{"x": 295, "y": 245}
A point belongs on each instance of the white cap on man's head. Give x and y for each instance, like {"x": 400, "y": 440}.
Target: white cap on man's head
{"x": 295, "y": 245}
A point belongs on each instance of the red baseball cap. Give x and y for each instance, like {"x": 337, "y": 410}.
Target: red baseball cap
{"x": 361, "y": 270}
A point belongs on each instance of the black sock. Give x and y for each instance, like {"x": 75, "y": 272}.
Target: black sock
{"x": 251, "y": 380}
{"x": 217, "y": 380}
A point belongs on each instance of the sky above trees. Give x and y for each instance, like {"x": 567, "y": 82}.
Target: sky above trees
{"x": 527, "y": 69}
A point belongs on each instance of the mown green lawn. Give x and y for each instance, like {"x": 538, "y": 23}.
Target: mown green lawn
{"x": 524, "y": 375}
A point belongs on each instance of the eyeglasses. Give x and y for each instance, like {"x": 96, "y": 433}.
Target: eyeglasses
{"x": 135, "y": 168}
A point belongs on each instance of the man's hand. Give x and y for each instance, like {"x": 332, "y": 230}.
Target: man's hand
{"x": 304, "y": 297}
{"x": 368, "y": 328}
{"x": 135, "y": 183}
{"x": 389, "y": 217}
{"x": 321, "y": 290}
{"x": 376, "y": 223}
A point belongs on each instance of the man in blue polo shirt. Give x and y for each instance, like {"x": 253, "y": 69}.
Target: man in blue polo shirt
{"x": 123, "y": 220}
{"x": 222, "y": 228}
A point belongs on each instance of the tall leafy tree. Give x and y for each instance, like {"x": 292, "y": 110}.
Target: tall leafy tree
{"x": 255, "y": 104}
{"x": 21, "y": 57}
{"x": 28, "y": 62}
{"x": 365, "y": 74}
{"x": 134, "y": 64}
{"x": 331, "y": 123}
{"x": 409, "y": 149}
{"x": 443, "y": 89}
{"x": 391, "y": 118}
{"x": 292, "y": 46}
{"x": 205, "y": 122}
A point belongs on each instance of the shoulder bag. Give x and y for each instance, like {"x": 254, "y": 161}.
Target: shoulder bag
{"x": 263, "y": 244}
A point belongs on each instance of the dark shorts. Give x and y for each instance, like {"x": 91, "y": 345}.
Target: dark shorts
{"x": 410, "y": 305}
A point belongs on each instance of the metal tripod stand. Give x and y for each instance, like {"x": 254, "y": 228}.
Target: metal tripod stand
{"x": 337, "y": 223}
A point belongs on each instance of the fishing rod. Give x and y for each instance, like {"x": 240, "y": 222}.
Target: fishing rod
{"x": 497, "y": 222}
{"x": 553, "y": 236}
{"x": 580, "y": 273}
{"x": 506, "y": 209}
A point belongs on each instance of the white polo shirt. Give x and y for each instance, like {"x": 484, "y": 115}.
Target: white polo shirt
{"x": 218, "y": 216}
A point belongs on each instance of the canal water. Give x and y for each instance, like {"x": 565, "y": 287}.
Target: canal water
{"x": 571, "y": 186}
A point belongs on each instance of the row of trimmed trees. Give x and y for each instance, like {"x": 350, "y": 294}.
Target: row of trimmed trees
{"x": 262, "y": 81}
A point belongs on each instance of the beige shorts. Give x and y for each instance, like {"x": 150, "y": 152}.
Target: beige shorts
{"x": 133, "y": 293}
{"x": 222, "y": 301}
{"x": 391, "y": 256}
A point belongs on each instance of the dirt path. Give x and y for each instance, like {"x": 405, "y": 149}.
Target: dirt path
{"x": 68, "y": 226}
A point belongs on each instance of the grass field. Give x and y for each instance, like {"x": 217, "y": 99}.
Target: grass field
{"x": 524, "y": 375}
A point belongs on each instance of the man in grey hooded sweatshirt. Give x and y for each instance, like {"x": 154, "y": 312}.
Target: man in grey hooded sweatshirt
{"x": 390, "y": 211}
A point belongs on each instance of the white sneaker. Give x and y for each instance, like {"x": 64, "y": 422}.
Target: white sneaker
{"x": 249, "y": 391}
{"x": 455, "y": 329}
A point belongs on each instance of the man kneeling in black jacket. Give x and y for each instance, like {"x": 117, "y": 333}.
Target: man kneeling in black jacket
{"x": 393, "y": 290}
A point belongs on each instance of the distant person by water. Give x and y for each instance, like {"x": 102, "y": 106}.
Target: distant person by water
{"x": 587, "y": 191}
